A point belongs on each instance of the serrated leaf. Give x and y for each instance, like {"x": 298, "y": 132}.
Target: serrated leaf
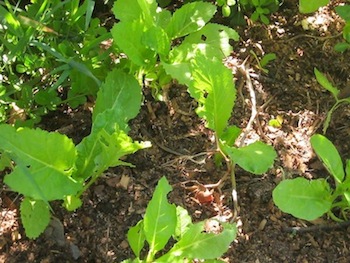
{"x": 44, "y": 163}
{"x": 197, "y": 244}
{"x": 309, "y": 6}
{"x": 329, "y": 155}
{"x": 136, "y": 238}
{"x": 35, "y": 216}
{"x": 215, "y": 36}
{"x": 128, "y": 37}
{"x": 160, "y": 218}
{"x": 255, "y": 158}
{"x": 121, "y": 94}
{"x": 190, "y": 18}
{"x": 213, "y": 88}
{"x": 324, "y": 82}
{"x": 303, "y": 198}
{"x": 104, "y": 147}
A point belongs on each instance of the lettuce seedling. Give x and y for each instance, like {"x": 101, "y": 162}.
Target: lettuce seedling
{"x": 310, "y": 199}
{"x": 47, "y": 166}
{"x": 164, "y": 222}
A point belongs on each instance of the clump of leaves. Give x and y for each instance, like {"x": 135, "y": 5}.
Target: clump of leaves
{"x": 50, "y": 55}
{"x": 157, "y": 43}
{"x": 47, "y": 166}
{"x": 163, "y": 222}
{"x": 339, "y": 99}
{"x": 310, "y": 199}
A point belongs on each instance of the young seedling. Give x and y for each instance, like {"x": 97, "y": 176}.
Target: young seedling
{"x": 164, "y": 222}
{"x": 340, "y": 98}
{"x": 310, "y": 199}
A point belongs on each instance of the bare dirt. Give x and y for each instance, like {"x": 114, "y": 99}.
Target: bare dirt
{"x": 181, "y": 151}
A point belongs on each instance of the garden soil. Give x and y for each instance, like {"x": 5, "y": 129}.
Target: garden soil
{"x": 182, "y": 151}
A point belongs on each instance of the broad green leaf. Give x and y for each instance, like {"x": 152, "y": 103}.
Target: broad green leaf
{"x": 255, "y": 158}
{"x": 343, "y": 11}
{"x": 128, "y": 37}
{"x": 35, "y": 216}
{"x": 346, "y": 32}
{"x": 197, "y": 244}
{"x": 121, "y": 94}
{"x": 44, "y": 163}
{"x": 329, "y": 155}
{"x": 212, "y": 86}
{"x": 136, "y": 238}
{"x": 183, "y": 222}
{"x": 324, "y": 82}
{"x": 267, "y": 58}
{"x": 156, "y": 39}
{"x": 309, "y": 6}
{"x": 214, "y": 35}
{"x": 342, "y": 46}
{"x": 190, "y": 18}
{"x": 160, "y": 218}
{"x": 303, "y": 198}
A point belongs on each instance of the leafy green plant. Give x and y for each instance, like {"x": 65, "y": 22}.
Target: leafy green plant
{"x": 310, "y": 199}
{"x": 258, "y": 9}
{"x": 157, "y": 43}
{"x": 47, "y": 166}
{"x": 47, "y": 35}
{"x": 264, "y": 60}
{"x": 324, "y": 82}
{"x": 163, "y": 222}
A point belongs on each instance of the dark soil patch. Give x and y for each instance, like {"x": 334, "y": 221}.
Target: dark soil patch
{"x": 181, "y": 151}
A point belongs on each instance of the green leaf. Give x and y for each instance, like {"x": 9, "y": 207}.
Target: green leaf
{"x": 215, "y": 36}
{"x": 346, "y": 32}
{"x": 255, "y": 158}
{"x": 104, "y": 147}
{"x": 143, "y": 10}
{"x": 343, "y": 11}
{"x": 198, "y": 244}
{"x": 303, "y": 198}
{"x": 72, "y": 203}
{"x": 267, "y": 58}
{"x": 309, "y": 6}
{"x": 213, "y": 88}
{"x": 35, "y": 215}
{"x": 44, "y": 163}
{"x": 136, "y": 238}
{"x": 324, "y": 82}
{"x": 160, "y": 218}
{"x": 121, "y": 94}
{"x": 342, "y": 47}
{"x": 128, "y": 37}
{"x": 329, "y": 155}
{"x": 190, "y": 18}
{"x": 230, "y": 135}
{"x": 156, "y": 39}
{"x": 183, "y": 222}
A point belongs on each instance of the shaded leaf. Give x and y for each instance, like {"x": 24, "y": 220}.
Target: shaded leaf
{"x": 35, "y": 216}
{"x": 303, "y": 198}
